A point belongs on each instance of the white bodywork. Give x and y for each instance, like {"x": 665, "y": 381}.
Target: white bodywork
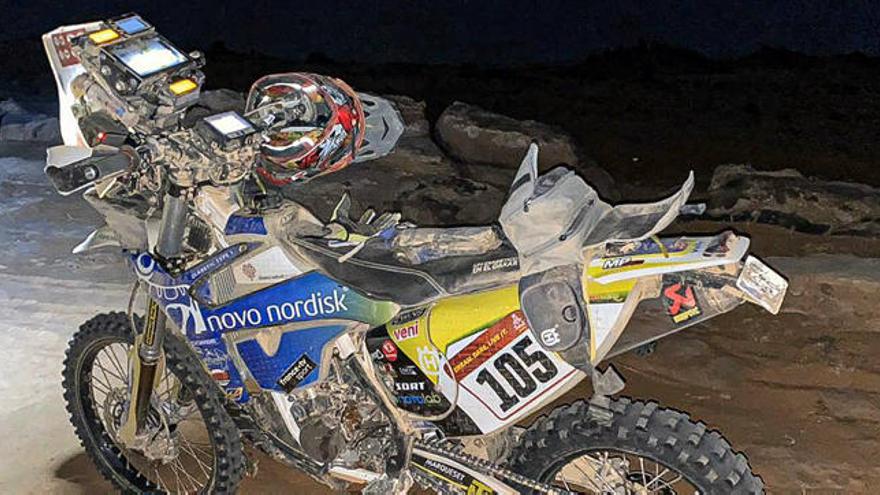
{"x": 66, "y": 67}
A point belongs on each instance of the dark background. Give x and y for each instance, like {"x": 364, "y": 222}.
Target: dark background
{"x": 481, "y": 32}
{"x": 648, "y": 89}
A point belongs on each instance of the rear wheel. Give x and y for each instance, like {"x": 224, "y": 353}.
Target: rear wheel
{"x": 635, "y": 447}
{"x": 191, "y": 445}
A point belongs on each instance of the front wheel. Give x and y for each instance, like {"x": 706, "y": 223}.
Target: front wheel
{"x": 191, "y": 444}
{"x": 631, "y": 447}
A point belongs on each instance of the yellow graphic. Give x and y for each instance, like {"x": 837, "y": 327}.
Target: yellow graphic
{"x": 438, "y": 475}
{"x": 451, "y": 320}
{"x": 457, "y": 317}
{"x": 686, "y": 315}
{"x": 479, "y": 488}
{"x": 649, "y": 260}
{"x": 612, "y": 292}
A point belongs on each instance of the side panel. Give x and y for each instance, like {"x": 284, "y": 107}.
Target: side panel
{"x": 683, "y": 299}
{"x": 616, "y": 283}
{"x": 272, "y": 338}
{"x": 475, "y": 351}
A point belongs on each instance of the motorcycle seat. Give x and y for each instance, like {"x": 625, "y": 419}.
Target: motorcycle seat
{"x": 385, "y": 269}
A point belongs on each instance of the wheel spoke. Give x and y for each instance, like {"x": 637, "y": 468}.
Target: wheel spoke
{"x": 117, "y": 364}
{"x": 618, "y": 472}
{"x": 187, "y": 468}
{"x": 108, "y": 373}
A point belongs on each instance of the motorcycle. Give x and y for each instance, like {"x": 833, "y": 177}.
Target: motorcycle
{"x": 367, "y": 353}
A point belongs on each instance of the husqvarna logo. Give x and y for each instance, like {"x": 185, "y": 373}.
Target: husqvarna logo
{"x": 550, "y": 337}
{"x": 316, "y": 304}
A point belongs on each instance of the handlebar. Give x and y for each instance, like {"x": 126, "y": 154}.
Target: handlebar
{"x": 190, "y": 159}
{"x": 70, "y": 170}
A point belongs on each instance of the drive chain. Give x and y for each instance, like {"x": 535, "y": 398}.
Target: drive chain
{"x": 482, "y": 465}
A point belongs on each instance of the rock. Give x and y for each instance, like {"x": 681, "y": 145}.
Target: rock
{"x": 19, "y": 124}
{"x": 11, "y": 107}
{"x": 413, "y": 113}
{"x": 221, "y": 100}
{"x": 851, "y": 405}
{"x": 601, "y": 181}
{"x": 471, "y": 134}
{"x": 214, "y": 101}
{"x": 838, "y": 289}
{"x": 787, "y": 198}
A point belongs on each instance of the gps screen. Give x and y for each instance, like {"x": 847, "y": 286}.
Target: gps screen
{"x": 148, "y": 56}
{"x": 229, "y": 124}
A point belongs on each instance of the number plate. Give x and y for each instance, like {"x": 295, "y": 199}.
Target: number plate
{"x": 763, "y": 285}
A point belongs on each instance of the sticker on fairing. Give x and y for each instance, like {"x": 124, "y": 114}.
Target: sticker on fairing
{"x": 503, "y": 371}
{"x": 268, "y": 267}
{"x": 296, "y": 373}
{"x": 680, "y": 300}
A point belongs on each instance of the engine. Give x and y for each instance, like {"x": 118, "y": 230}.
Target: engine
{"x": 335, "y": 421}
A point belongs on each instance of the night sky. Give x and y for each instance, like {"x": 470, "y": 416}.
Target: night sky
{"x": 482, "y": 32}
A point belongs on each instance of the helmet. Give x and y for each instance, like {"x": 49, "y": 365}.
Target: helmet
{"x": 315, "y": 125}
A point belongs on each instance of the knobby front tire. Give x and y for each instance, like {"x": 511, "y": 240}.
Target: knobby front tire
{"x": 113, "y": 331}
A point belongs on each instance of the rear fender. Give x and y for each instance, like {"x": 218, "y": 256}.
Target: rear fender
{"x": 649, "y": 308}
{"x": 660, "y": 305}
{"x": 648, "y": 257}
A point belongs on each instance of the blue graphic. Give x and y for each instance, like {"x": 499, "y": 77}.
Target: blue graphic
{"x": 222, "y": 259}
{"x": 245, "y": 225}
{"x": 267, "y": 370}
{"x": 306, "y": 298}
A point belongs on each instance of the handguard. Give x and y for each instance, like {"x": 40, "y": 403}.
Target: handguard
{"x": 72, "y": 168}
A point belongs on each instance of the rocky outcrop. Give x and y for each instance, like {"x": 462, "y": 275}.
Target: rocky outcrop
{"x": 787, "y": 198}
{"x": 416, "y": 179}
{"x": 19, "y": 124}
{"x": 471, "y": 134}
{"x": 477, "y": 138}
{"x": 413, "y": 113}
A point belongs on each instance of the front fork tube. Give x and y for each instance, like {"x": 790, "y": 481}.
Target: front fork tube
{"x": 147, "y": 353}
{"x": 146, "y": 364}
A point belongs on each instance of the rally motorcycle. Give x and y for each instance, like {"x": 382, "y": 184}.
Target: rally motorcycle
{"x": 366, "y": 352}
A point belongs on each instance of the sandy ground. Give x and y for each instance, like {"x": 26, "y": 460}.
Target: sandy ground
{"x": 799, "y": 393}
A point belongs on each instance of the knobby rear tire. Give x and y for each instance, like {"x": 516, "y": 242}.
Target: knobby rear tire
{"x": 703, "y": 457}
{"x": 104, "y": 329}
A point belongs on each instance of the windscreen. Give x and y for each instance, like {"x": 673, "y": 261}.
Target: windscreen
{"x": 148, "y": 56}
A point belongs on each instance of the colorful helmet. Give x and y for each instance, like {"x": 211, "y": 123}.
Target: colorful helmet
{"x": 315, "y": 125}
